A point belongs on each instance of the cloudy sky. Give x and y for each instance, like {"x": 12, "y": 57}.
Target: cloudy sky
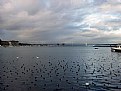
{"x": 53, "y": 21}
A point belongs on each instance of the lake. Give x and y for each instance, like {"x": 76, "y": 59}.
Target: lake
{"x": 59, "y": 69}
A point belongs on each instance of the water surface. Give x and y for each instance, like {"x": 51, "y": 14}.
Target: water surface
{"x": 59, "y": 69}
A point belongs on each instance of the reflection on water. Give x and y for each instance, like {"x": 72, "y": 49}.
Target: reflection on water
{"x": 59, "y": 69}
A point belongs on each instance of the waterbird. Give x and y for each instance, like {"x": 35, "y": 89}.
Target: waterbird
{"x": 37, "y": 57}
{"x": 17, "y": 57}
{"x": 87, "y": 84}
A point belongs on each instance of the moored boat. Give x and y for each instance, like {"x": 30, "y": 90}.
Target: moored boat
{"x": 116, "y": 49}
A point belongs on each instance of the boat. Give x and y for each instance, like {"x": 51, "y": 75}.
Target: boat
{"x": 116, "y": 49}
{"x": 96, "y": 48}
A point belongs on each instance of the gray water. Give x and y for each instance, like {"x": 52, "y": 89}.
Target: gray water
{"x": 59, "y": 69}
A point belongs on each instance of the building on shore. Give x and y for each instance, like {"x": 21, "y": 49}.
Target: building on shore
{"x": 9, "y": 43}
{"x": 14, "y": 43}
{"x": 0, "y": 42}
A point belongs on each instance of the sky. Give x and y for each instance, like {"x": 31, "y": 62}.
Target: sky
{"x": 61, "y": 21}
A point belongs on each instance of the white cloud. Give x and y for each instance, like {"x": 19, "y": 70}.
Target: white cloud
{"x": 60, "y": 20}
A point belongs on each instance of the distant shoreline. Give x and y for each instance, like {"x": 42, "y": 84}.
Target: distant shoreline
{"x": 13, "y": 43}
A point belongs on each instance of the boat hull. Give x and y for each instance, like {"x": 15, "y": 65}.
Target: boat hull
{"x": 116, "y": 49}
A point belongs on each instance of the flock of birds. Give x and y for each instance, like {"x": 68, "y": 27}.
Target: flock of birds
{"x": 61, "y": 73}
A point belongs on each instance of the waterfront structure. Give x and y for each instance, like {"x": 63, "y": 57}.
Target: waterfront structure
{"x": 0, "y": 42}
{"x": 14, "y": 43}
{"x": 9, "y": 43}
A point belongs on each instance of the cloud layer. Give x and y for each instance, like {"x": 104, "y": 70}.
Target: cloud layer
{"x": 48, "y": 21}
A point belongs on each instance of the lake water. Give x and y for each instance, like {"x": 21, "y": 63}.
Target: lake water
{"x": 59, "y": 69}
